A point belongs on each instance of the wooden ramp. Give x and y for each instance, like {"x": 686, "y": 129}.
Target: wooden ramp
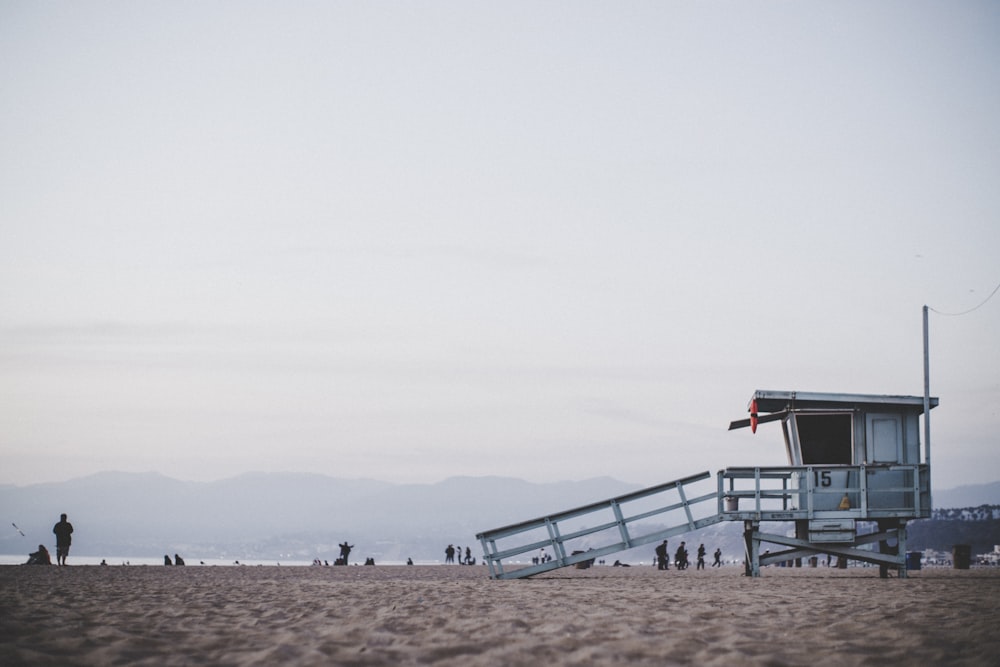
{"x": 580, "y": 535}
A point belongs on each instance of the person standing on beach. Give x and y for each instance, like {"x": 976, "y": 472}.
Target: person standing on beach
{"x": 449, "y": 554}
{"x": 718, "y": 558}
{"x": 662, "y": 556}
{"x": 345, "y": 552}
{"x": 681, "y": 557}
{"x": 701, "y": 557}
{"x": 63, "y": 531}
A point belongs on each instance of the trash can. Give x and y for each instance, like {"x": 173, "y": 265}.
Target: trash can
{"x": 813, "y": 561}
{"x": 732, "y": 504}
{"x": 913, "y": 560}
{"x": 961, "y": 556}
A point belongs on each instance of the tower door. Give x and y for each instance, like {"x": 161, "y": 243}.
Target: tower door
{"x": 884, "y": 438}
{"x": 884, "y": 444}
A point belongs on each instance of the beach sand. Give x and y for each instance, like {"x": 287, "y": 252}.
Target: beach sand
{"x": 456, "y": 615}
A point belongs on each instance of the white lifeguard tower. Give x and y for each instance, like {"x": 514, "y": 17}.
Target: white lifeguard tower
{"x": 854, "y": 479}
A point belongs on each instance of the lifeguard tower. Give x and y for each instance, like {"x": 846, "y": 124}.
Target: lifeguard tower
{"x": 854, "y": 479}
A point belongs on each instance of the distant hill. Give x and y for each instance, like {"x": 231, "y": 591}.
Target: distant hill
{"x": 944, "y": 534}
{"x": 972, "y": 495}
{"x": 304, "y": 516}
{"x": 267, "y": 515}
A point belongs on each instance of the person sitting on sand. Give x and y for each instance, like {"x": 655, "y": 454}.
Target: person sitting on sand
{"x": 178, "y": 560}
{"x": 166, "y": 560}
{"x": 40, "y": 557}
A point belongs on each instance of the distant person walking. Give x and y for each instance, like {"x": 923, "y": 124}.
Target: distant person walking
{"x": 63, "y": 531}
{"x": 718, "y": 558}
{"x": 701, "y": 557}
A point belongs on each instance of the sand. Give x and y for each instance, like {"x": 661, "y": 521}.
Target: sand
{"x": 456, "y": 615}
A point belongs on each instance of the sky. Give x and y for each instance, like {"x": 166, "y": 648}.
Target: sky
{"x": 546, "y": 240}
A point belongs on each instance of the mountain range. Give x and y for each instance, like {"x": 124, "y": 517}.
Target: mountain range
{"x": 267, "y": 515}
{"x": 296, "y": 516}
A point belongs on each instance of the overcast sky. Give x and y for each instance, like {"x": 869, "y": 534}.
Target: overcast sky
{"x": 549, "y": 240}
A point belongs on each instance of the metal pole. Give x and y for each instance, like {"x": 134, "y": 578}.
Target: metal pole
{"x": 927, "y": 395}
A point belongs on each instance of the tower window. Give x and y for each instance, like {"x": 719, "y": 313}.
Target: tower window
{"x": 825, "y": 439}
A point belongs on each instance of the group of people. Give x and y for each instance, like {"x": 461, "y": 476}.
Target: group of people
{"x": 681, "y": 561}
{"x": 64, "y": 532}
{"x": 451, "y": 551}
{"x": 64, "y": 537}
{"x": 542, "y": 557}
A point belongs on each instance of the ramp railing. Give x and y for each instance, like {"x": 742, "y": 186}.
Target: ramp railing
{"x": 581, "y": 535}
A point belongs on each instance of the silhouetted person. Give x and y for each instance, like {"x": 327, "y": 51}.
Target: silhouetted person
{"x": 681, "y": 557}
{"x": 166, "y": 560}
{"x": 40, "y": 557}
{"x": 468, "y": 556}
{"x": 345, "y": 552}
{"x": 662, "y": 557}
{"x": 701, "y": 557}
{"x": 409, "y": 561}
{"x": 718, "y": 558}
{"x": 63, "y": 531}
{"x": 178, "y": 560}
{"x": 449, "y": 554}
